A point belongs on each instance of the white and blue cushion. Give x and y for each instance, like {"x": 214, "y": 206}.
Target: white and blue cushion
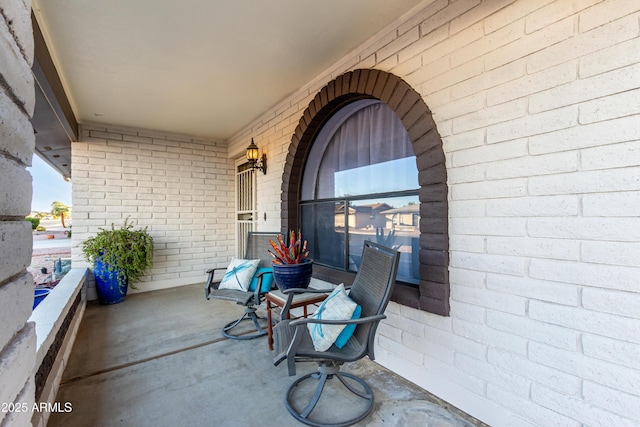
{"x": 346, "y": 333}
{"x": 267, "y": 280}
{"x": 337, "y": 306}
{"x": 239, "y": 274}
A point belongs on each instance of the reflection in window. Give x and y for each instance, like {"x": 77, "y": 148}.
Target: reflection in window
{"x": 361, "y": 183}
{"x": 392, "y": 222}
{"x": 385, "y": 177}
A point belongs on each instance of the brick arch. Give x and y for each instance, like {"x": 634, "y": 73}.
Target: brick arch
{"x": 433, "y": 292}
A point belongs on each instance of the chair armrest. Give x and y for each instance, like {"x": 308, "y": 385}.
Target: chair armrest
{"x": 211, "y": 283}
{"x": 368, "y": 319}
{"x": 297, "y": 328}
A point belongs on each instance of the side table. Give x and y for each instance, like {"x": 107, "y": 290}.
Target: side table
{"x": 276, "y": 298}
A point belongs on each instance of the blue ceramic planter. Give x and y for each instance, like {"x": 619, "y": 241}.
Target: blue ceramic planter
{"x": 39, "y": 295}
{"x": 108, "y": 289}
{"x": 289, "y": 276}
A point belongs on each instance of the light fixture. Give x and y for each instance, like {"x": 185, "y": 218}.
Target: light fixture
{"x": 255, "y": 160}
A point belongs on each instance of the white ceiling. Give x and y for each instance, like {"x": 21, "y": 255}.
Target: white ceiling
{"x": 199, "y": 67}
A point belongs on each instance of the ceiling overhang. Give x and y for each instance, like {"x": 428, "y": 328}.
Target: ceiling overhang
{"x": 54, "y": 123}
{"x": 205, "y": 68}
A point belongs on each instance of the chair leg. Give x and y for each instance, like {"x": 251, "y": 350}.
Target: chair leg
{"x": 323, "y": 376}
{"x": 249, "y": 314}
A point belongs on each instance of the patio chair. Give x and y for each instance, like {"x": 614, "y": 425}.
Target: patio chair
{"x": 371, "y": 290}
{"x": 256, "y": 248}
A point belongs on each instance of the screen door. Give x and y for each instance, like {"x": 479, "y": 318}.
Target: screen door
{"x": 246, "y": 214}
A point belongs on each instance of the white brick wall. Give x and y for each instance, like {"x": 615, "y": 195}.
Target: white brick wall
{"x": 180, "y": 187}
{"x": 538, "y": 103}
{"x": 17, "y": 337}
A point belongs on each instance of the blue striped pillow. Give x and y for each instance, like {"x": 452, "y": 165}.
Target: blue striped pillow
{"x": 239, "y": 274}
{"x": 337, "y": 306}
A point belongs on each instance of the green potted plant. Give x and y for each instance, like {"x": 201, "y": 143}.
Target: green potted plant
{"x": 291, "y": 266}
{"x": 120, "y": 256}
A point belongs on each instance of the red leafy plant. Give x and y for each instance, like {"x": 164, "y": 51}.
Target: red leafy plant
{"x": 295, "y": 253}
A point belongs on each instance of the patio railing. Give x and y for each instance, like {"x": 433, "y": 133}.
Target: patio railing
{"x": 57, "y": 319}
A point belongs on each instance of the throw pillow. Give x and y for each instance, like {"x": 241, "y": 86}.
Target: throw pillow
{"x": 349, "y": 329}
{"x": 239, "y": 274}
{"x": 337, "y": 306}
{"x": 267, "y": 279}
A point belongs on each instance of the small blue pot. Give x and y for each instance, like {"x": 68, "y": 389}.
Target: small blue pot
{"x": 39, "y": 295}
{"x": 289, "y": 276}
{"x": 107, "y": 286}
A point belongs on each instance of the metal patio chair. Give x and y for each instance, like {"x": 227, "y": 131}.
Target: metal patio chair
{"x": 256, "y": 248}
{"x": 372, "y": 290}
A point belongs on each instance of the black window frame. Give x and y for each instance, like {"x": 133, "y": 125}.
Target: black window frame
{"x": 434, "y": 291}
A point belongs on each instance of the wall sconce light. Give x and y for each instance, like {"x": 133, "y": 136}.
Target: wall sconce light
{"x": 255, "y": 160}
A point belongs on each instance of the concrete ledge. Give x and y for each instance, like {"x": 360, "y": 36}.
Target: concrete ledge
{"x": 50, "y": 313}
{"x": 63, "y": 308}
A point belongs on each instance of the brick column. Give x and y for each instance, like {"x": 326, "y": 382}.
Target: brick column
{"x": 17, "y": 99}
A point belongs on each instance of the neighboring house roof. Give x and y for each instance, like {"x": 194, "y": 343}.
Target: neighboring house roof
{"x": 413, "y": 209}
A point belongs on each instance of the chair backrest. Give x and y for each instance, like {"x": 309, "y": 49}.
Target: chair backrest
{"x": 372, "y": 288}
{"x": 258, "y": 246}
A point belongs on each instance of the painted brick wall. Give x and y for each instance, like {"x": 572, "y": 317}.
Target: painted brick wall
{"x": 17, "y": 98}
{"x": 538, "y": 103}
{"x": 179, "y": 186}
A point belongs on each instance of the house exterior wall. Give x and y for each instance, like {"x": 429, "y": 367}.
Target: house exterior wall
{"x": 178, "y": 186}
{"x": 17, "y": 141}
{"x": 537, "y": 102}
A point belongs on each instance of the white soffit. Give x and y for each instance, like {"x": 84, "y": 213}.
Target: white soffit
{"x": 199, "y": 67}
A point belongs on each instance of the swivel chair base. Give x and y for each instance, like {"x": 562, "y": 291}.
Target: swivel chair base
{"x": 327, "y": 373}
{"x": 249, "y": 314}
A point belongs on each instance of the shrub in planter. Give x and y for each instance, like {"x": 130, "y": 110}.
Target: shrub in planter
{"x": 120, "y": 257}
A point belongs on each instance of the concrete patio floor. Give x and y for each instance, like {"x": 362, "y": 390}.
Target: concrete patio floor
{"x": 159, "y": 359}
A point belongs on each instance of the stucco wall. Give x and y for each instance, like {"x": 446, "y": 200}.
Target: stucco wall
{"x": 17, "y": 98}
{"x": 179, "y": 186}
{"x": 537, "y": 102}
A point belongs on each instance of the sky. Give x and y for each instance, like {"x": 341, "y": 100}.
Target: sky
{"x": 48, "y": 186}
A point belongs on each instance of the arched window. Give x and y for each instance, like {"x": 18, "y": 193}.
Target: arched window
{"x": 360, "y": 182}
{"x": 318, "y": 205}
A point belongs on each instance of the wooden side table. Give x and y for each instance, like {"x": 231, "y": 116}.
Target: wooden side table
{"x": 278, "y": 299}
